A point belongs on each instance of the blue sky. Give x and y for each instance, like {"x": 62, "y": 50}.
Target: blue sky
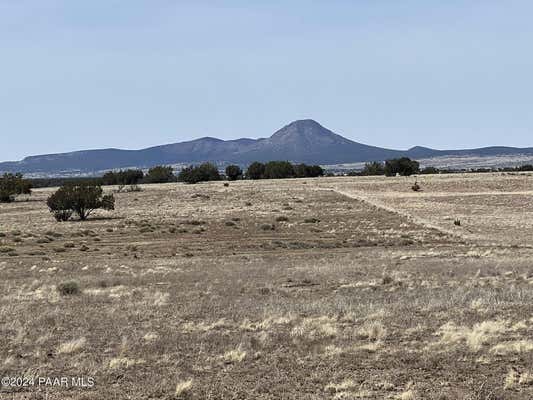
{"x": 130, "y": 74}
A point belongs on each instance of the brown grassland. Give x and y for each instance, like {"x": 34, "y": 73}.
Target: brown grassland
{"x": 329, "y": 288}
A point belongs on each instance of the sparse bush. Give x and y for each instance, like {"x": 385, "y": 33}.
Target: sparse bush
{"x": 160, "y": 174}
{"x": 200, "y": 196}
{"x": 268, "y": 227}
{"x": 202, "y": 173}
{"x": 194, "y": 222}
{"x": 233, "y": 172}
{"x": 81, "y": 199}
{"x": 403, "y": 166}
{"x": 68, "y": 288}
{"x": 12, "y": 185}
{"x": 457, "y": 222}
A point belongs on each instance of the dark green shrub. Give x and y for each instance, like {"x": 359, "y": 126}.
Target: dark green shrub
{"x": 160, "y": 174}
{"x": 255, "y": 170}
{"x": 233, "y": 172}
{"x": 402, "y": 166}
{"x": 12, "y": 185}
{"x": 81, "y": 199}
{"x": 68, "y": 288}
{"x": 202, "y": 173}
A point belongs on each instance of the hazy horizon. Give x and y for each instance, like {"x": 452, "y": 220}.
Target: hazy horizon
{"x": 80, "y": 76}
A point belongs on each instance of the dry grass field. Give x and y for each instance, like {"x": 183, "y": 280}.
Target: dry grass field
{"x": 330, "y": 288}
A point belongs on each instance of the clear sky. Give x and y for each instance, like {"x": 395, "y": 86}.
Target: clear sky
{"x": 130, "y": 74}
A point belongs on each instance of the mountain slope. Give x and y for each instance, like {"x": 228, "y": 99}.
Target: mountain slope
{"x": 300, "y": 141}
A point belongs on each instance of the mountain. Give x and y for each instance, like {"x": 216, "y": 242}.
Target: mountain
{"x": 300, "y": 141}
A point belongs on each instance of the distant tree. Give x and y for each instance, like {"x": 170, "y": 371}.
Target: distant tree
{"x": 126, "y": 177}
{"x": 233, "y": 172}
{"x": 160, "y": 174}
{"x": 82, "y": 199}
{"x": 307, "y": 171}
{"x": 278, "y": 170}
{"x": 202, "y": 173}
{"x": 12, "y": 185}
{"x": 403, "y": 166}
{"x": 314, "y": 171}
{"x": 373, "y": 168}
{"x": 525, "y": 167}
{"x": 255, "y": 170}
{"x": 430, "y": 170}
{"x": 300, "y": 170}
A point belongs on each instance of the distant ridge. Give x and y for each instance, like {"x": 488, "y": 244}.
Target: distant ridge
{"x": 300, "y": 141}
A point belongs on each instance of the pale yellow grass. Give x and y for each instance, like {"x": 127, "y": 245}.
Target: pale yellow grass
{"x": 183, "y": 388}
{"x": 234, "y": 356}
{"x": 372, "y": 330}
{"x": 315, "y": 329}
{"x": 477, "y": 336}
{"x": 72, "y": 346}
{"x": 123, "y": 362}
{"x": 514, "y": 347}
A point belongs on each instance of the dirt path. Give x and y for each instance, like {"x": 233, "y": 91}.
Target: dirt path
{"x": 416, "y": 220}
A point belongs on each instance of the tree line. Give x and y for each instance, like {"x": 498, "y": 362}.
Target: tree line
{"x": 405, "y": 167}
{"x": 256, "y": 170}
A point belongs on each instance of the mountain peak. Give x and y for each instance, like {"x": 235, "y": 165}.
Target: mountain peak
{"x": 302, "y": 124}
{"x": 303, "y": 128}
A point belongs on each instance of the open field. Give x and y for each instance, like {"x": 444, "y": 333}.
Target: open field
{"x": 330, "y": 288}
